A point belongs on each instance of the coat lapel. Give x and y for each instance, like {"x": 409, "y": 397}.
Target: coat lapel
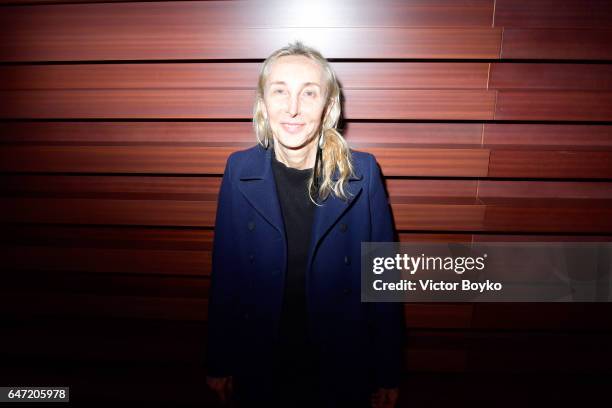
{"x": 258, "y": 186}
{"x": 327, "y": 214}
{"x": 332, "y": 209}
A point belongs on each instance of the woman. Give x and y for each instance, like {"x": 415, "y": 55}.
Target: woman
{"x": 286, "y": 326}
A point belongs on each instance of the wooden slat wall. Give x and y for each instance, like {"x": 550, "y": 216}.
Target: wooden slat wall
{"x": 491, "y": 119}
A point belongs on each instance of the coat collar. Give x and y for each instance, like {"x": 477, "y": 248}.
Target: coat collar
{"x": 259, "y": 188}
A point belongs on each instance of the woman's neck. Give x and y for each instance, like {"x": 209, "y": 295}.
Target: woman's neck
{"x": 300, "y": 159}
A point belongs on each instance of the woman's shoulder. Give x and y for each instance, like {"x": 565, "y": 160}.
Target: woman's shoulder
{"x": 362, "y": 157}
{"x": 243, "y": 155}
{"x": 245, "y": 158}
{"x": 363, "y": 162}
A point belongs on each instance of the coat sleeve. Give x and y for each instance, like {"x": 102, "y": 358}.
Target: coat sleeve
{"x": 387, "y": 317}
{"x": 221, "y": 320}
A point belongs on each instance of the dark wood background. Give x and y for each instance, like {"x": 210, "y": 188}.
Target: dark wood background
{"x": 491, "y": 120}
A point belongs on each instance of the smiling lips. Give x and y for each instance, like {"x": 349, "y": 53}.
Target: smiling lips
{"x": 293, "y": 127}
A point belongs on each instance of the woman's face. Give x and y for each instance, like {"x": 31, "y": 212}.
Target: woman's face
{"x": 294, "y": 99}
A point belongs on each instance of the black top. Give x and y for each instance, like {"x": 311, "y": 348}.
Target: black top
{"x": 298, "y": 213}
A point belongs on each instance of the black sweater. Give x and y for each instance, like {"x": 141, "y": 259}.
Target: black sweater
{"x": 298, "y": 212}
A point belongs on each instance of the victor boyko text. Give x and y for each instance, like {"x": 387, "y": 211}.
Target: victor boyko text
{"x": 486, "y": 271}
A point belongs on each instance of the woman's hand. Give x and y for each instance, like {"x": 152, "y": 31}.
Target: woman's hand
{"x": 222, "y": 386}
{"x": 384, "y": 398}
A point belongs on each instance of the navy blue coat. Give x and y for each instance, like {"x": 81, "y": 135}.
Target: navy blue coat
{"x": 360, "y": 343}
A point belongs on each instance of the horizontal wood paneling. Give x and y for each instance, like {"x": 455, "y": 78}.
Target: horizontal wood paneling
{"x": 579, "y": 77}
{"x": 432, "y": 161}
{"x": 117, "y": 224}
{"x": 115, "y": 159}
{"x": 559, "y": 96}
{"x": 110, "y": 237}
{"x": 553, "y": 13}
{"x": 272, "y": 13}
{"x": 197, "y": 42}
{"x": 546, "y": 190}
{"x": 365, "y": 135}
{"x": 399, "y": 161}
{"x": 133, "y": 133}
{"x": 207, "y": 160}
{"x": 554, "y": 105}
{"x": 238, "y": 104}
{"x": 132, "y": 30}
{"x": 550, "y": 164}
{"x": 239, "y": 133}
{"x": 361, "y": 104}
{"x": 561, "y": 43}
{"x": 417, "y": 204}
{"x": 108, "y": 260}
{"x": 114, "y": 212}
{"x": 359, "y": 135}
{"x": 238, "y": 75}
{"x": 547, "y": 136}
{"x": 441, "y": 214}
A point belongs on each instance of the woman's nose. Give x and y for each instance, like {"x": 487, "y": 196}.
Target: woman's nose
{"x": 294, "y": 106}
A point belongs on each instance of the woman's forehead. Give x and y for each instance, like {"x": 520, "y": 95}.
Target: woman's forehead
{"x": 296, "y": 68}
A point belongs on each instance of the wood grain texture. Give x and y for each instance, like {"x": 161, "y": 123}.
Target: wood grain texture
{"x": 452, "y": 162}
{"x": 201, "y": 30}
{"x": 238, "y": 75}
{"x": 550, "y": 164}
{"x": 129, "y": 133}
{"x": 238, "y": 134}
{"x": 115, "y": 159}
{"x": 535, "y": 136}
{"x": 109, "y": 223}
{"x": 557, "y": 43}
{"x": 236, "y": 104}
{"x": 579, "y": 77}
{"x": 362, "y": 136}
{"x": 194, "y": 160}
{"x": 424, "y": 214}
{"x": 272, "y": 13}
{"x": 533, "y": 190}
{"x": 554, "y": 105}
{"x": 553, "y": 13}
{"x": 254, "y": 43}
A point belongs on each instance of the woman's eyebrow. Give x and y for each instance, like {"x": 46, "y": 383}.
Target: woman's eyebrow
{"x": 304, "y": 84}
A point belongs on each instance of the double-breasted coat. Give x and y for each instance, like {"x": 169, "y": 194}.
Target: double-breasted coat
{"x": 359, "y": 343}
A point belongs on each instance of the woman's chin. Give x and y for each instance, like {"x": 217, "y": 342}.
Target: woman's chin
{"x": 292, "y": 143}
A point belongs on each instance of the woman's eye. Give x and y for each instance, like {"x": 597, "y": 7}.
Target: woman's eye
{"x": 278, "y": 91}
{"x": 310, "y": 93}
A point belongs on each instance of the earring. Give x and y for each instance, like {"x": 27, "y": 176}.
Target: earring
{"x": 321, "y": 140}
{"x": 268, "y": 133}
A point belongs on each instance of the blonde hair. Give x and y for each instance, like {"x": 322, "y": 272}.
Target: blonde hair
{"x": 333, "y": 155}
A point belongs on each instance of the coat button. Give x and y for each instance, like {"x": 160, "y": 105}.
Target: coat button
{"x": 346, "y": 291}
{"x": 246, "y": 316}
{"x": 251, "y": 225}
{"x": 347, "y": 260}
{"x": 251, "y": 258}
{"x": 343, "y": 227}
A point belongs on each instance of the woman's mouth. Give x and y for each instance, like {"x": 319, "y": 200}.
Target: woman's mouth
{"x": 293, "y": 127}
